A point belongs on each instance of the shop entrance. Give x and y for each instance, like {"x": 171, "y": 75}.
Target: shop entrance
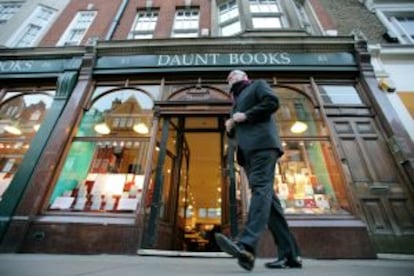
{"x": 193, "y": 185}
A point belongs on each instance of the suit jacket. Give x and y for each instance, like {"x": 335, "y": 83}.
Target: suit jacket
{"x": 260, "y": 131}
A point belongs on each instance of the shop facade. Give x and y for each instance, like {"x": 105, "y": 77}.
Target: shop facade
{"x": 132, "y": 154}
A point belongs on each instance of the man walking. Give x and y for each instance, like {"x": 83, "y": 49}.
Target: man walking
{"x": 255, "y": 130}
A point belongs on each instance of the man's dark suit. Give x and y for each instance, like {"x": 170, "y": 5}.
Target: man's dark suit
{"x": 259, "y": 148}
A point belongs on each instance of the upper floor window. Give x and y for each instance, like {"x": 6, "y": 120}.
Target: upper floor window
{"x": 144, "y": 25}
{"x": 399, "y": 22}
{"x": 266, "y": 14}
{"x": 405, "y": 27}
{"x": 264, "y": 6}
{"x": 229, "y": 18}
{"x": 7, "y": 10}
{"x": 186, "y": 23}
{"x": 77, "y": 28}
{"x": 28, "y": 35}
{"x": 33, "y": 27}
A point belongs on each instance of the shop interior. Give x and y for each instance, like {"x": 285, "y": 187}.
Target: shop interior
{"x": 200, "y": 198}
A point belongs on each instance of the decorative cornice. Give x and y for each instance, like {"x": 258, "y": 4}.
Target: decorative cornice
{"x": 41, "y": 52}
{"x": 286, "y": 43}
{"x": 306, "y": 44}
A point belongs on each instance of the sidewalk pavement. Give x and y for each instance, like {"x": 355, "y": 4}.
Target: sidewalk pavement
{"x": 120, "y": 265}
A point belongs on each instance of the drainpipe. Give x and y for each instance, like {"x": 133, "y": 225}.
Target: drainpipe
{"x": 116, "y": 20}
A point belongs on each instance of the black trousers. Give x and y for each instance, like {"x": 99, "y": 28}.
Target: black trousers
{"x": 265, "y": 208}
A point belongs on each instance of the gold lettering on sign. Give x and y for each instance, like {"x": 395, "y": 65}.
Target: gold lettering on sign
{"x": 281, "y": 58}
{"x": 259, "y": 58}
{"x": 187, "y": 59}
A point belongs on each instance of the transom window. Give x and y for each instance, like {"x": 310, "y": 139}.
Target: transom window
{"x": 144, "y": 25}
{"x": 77, "y": 28}
{"x": 229, "y": 19}
{"x": 186, "y": 23}
{"x": 339, "y": 94}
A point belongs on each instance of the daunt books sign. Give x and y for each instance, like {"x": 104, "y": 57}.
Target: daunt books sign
{"x": 191, "y": 60}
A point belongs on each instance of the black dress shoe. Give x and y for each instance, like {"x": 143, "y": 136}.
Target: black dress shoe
{"x": 279, "y": 263}
{"x": 285, "y": 263}
{"x": 295, "y": 262}
{"x": 245, "y": 257}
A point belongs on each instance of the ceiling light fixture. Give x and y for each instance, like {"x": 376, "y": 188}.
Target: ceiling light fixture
{"x": 298, "y": 127}
{"x": 102, "y": 128}
{"x": 12, "y": 129}
{"x": 140, "y": 128}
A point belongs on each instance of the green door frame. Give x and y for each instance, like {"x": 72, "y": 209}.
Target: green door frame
{"x": 150, "y": 232}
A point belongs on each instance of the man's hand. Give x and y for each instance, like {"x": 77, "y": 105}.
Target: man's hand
{"x": 239, "y": 117}
{"x": 229, "y": 124}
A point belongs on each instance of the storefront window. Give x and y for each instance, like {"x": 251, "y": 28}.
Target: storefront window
{"x": 20, "y": 118}
{"x": 305, "y": 178}
{"x": 104, "y": 169}
{"x": 296, "y": 115}
{"x": 307, "y": 174}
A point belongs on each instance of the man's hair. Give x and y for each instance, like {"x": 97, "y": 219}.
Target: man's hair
{"x": 237, "y": 72}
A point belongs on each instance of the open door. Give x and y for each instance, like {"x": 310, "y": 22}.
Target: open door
{"x": 193, "y": 185}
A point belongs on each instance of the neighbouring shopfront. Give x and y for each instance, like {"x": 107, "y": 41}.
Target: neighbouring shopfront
{"x": 21, "y": 117}
{"x": 33, "y": 94}
{"x": 137, "y": 158}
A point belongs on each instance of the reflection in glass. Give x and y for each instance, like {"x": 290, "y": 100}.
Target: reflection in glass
{"x": 296, "y": 115}
{"x": 104, "y": 169}
{"x": 118, "y": 114}
{"x": 20, "y": 118}
{"x": 102, "y": 128}
{"x": 13, "y": 129}
{"x": 140, "y": 128}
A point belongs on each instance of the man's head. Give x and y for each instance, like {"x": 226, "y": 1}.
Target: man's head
{"x": 236, "y": 76}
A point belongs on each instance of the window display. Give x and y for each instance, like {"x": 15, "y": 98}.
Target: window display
{"x": 305, "y": 177}
{"x": 104, "y": 168}
{"x": 20, "y": 118}
{"x": 98, "y": 176}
